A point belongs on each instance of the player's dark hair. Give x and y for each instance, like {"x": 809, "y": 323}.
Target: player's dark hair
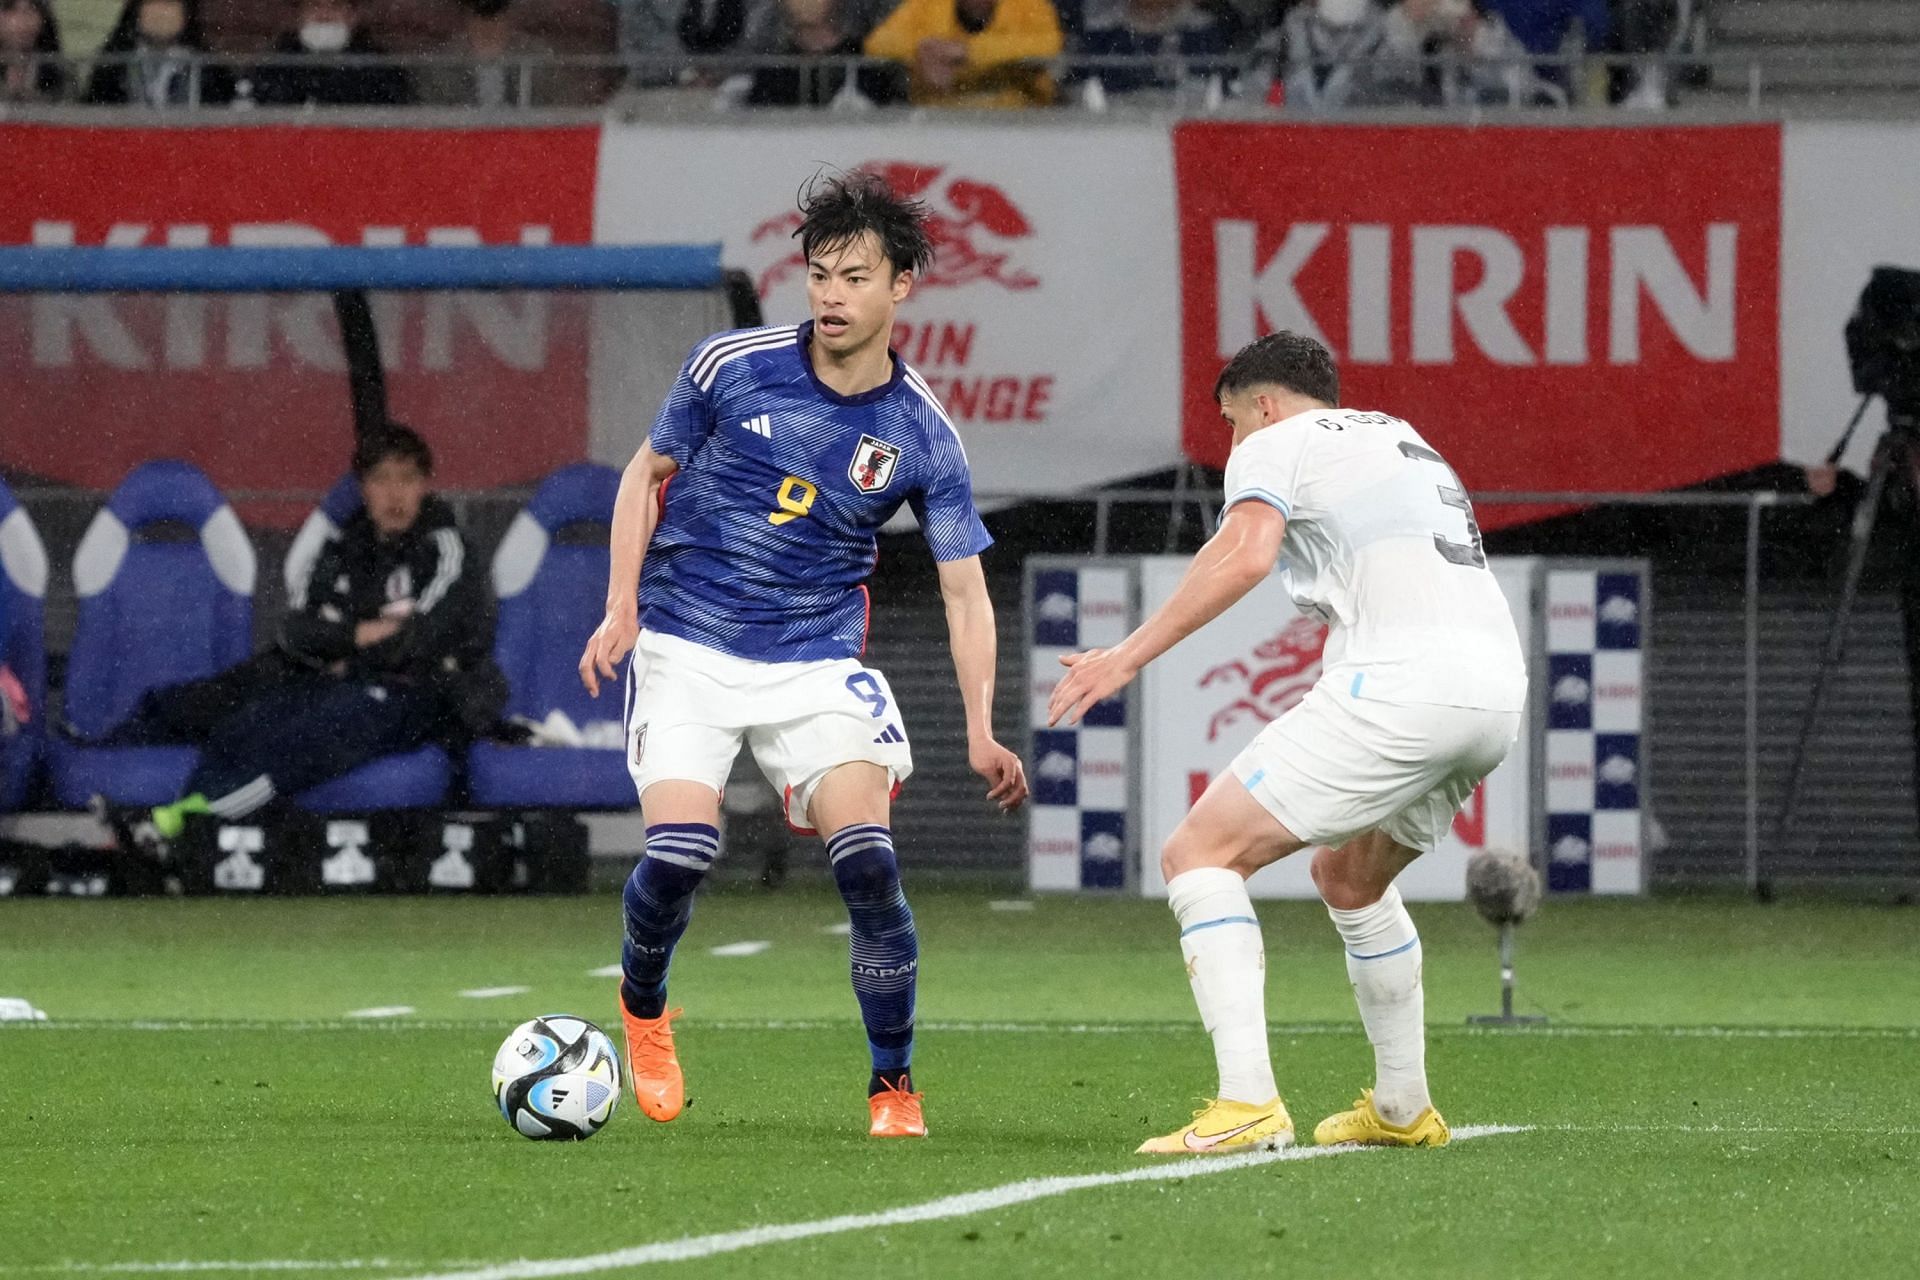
{"x": 391, "y": 440}
{"x": 836, "y": 210}
{"x": 1283, "y": 359}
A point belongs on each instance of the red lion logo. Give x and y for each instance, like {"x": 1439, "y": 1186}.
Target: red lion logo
{"x": 1276, "y": 677}
{"x": 964, "y": 213}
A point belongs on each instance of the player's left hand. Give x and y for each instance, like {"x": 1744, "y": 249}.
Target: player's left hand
{"x": 1003, "y": 769}
{"x": 1092, "y": 676}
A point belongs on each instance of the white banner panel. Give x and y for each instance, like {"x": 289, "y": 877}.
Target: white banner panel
{"x": 1849, "y": 195}
{"x": 1049, "y": 324}
{"x": 1205, "y": 700}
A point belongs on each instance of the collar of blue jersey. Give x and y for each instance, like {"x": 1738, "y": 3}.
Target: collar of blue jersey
{"x": 804, "y": 339}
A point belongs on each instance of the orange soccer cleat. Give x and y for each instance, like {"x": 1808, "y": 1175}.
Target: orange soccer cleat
{"x": 658, "y": 1086}
{"x": 896, "y": 1114}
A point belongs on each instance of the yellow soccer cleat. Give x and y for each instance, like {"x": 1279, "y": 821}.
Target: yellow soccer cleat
{"x": 1364, "y": 1126}
{"x": 1222, "y": 1127}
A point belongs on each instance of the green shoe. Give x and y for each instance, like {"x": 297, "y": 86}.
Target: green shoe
{"x": 171, "y": 819}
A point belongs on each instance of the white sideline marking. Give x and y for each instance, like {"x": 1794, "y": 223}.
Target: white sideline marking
{"x": 960, "y": 1206}
{"x": 494, "y": 993}
{"x": 605, "y": 971}
{"x": 234, "y": 1264}
{"x": 365, "y": 1020}
{"x": 1010, "y": 904}
{"x": 840, "y": 930}
{"x": 1735, "y": 1130}
{"x": 382, "y": 1011}
{"x": 733, "y": 949}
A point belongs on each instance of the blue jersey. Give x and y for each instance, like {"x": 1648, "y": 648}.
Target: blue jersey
{"x": 767, "y": 536}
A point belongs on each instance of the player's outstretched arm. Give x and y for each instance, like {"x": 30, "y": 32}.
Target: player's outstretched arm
{"x": 963, "y": 587}
{"x": 1236, "y": 558}
{"x": 636, "y": 510}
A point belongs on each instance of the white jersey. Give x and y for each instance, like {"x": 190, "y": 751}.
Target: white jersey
{"x": 1382, "y": 546}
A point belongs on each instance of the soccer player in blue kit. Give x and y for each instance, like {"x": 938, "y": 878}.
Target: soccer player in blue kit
{"x": 788, "y": 448}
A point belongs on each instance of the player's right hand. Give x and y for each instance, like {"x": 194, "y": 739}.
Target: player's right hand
{"x": 611, "y": 641}
{"x": 1003, "y": 769}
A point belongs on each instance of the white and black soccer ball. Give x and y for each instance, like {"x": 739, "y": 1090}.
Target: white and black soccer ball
{"x": 557, "y": 1077}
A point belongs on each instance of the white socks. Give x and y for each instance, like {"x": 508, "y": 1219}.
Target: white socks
{"x": 1227, "y": 965}
{"x": 1383, "y": 962}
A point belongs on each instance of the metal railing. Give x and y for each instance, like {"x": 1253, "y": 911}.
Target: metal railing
{"x": 487, "y": 507}
{"x": 1755, "y": 503}
{"x": 215, "y": 82}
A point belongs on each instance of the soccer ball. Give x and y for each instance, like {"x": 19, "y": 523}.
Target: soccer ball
{"x": 557, "y": 1077}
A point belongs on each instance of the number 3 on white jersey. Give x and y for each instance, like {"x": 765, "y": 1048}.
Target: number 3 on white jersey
{"x": 1451, "y": 495}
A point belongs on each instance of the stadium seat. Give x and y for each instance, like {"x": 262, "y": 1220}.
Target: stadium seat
{"x": 23, "y": 644}
{"x": 416, "y": 779}
{"x": 550, "y": 594}
{"x": 409, "y": 780}
{"x": 153, "y": 610}
{"x": 321, "y": 526}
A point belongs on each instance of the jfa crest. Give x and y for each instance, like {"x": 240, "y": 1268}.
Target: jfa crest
{"x": 872, "y": 465}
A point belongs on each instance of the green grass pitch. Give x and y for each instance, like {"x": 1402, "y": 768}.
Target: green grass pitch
{"x": 1726, "y": 1090}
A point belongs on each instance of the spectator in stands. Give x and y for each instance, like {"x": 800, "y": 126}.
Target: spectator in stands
{"x": 330, "y": 28}
{"x": 1646, "y": 26}
{"x": 31, "y": 69}
{"x": 972, "y": 53}
{"x": 1163, "y": 29}
{"x": 155, "y": 56}
{"x": 664, "y": 32}
{"x": 1346, "y": 53}
{"x": 817, "y": 28}
{"x": 487, "y": 62}
{"x": 387, "y": 646}
{"x": 1543, "y": 26}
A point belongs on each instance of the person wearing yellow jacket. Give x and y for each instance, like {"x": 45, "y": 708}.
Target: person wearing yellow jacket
{"x": 972, "y": 53}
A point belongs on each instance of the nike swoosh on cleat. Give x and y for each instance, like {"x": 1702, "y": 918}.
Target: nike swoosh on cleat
{"x": 1197, "y": 1143}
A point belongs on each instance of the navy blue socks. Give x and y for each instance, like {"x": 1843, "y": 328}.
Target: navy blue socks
{"x": 658, "y": 903}
{"x": 883, "y": 946}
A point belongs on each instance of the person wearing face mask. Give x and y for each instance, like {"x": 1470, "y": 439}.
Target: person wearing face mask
{"x": 30, "y": 66}
{"x": 153, "y": 57}
{"x": 328, "y": 29}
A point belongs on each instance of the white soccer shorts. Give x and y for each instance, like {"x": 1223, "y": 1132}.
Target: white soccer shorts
{"x": 1336, "y": 766}
{"x": 689, "y": 707}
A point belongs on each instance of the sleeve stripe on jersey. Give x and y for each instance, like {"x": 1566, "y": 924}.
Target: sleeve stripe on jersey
{"x": 713, "y": 346}
{"x": 444, "y": 574}
{"x": 919, "y": 384}
{"x": 709, "y": 361}
{"x": 1263, "y": 495}
{"x": 772, "y": 343}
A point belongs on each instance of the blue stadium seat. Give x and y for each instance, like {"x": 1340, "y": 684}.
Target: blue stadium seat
{"x": 409, "y": 780}
{"x": 23, "y": 643}
{"x": 551, "y": 594}
{"x": 151, "y": 612}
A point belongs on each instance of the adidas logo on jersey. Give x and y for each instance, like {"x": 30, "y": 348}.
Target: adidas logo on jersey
{"x": 891, "y": 734}
{"x": 761, "y": 426}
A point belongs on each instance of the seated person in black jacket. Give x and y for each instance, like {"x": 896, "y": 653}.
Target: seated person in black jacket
{"x": 818, "y": 29}
{"x": 387, "y": 646}
{"x": 330, "y": 29}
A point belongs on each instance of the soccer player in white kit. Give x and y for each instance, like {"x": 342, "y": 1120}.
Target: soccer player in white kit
{"x": 1420, "y": 697}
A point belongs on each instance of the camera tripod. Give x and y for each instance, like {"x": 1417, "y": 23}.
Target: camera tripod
{"x": 1897, "y": 456}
